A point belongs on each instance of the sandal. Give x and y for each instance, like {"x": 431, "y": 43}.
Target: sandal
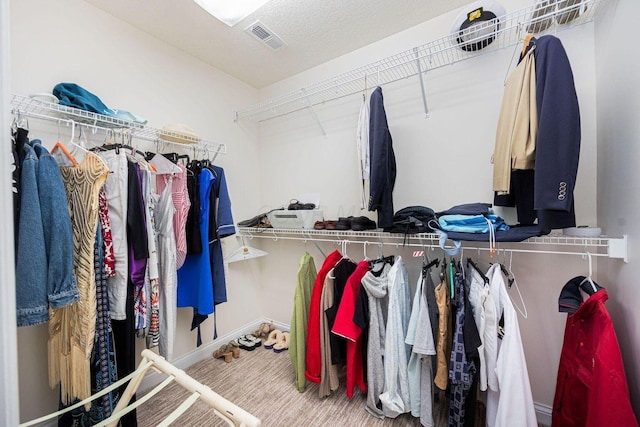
{"x": 223, "y": 353}
{"x": 274, "y": 337}
{"x": 246, "y": 344}
{"x": 234, "y": 348}
{"x": 282, "y": 344}
{"x": 264, "y": 329}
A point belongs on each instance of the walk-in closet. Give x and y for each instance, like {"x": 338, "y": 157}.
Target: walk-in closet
{"x": 381, "y": 213}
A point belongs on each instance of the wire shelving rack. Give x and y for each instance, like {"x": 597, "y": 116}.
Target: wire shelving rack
{"x": 538, "y": 19}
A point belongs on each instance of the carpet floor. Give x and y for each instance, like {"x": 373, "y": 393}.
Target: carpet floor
{"x": 262, "y": 383}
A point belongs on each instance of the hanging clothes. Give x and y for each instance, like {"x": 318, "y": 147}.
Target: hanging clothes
{"x": 517, "y": 126}
{"x": 116, "y": 189}
{"x": 463, "y": 365}
{"x": 547, "y": 192}
{"x": 45, "y": 257}
{"x": 591, "y": 389}
{"x": 103, "y": 367}
{"x": 395, "y": 397}
{"x": 328, "y": 371}
{"x": 72, "y": 328}
{"x": 420, "y": 368}
{"x": 364, "y": 157}
{"x": 383, "y": 162}
{"x": 313, "y": 356}
{"x": 346, "y": 327}
{"x": 376, "y": 291}
{"x": 443, "y": 340}
{"x": 138, "y": 243}
{"x": 513, "y": 403}
{"x": 220, "y": 226}
{"x": 181, "y": 204}
{"x": 299, "y": 318}
{"x": 194, "y": 277}
{"x": 168, "y": 286}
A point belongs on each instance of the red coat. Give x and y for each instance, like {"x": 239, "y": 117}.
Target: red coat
{"x": 344, "y": 326}
{"x": 313, "y": 361}
{"x": 591, "y": 390}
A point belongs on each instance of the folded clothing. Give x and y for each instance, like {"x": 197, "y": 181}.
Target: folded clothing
{"x": 472, "y": 223}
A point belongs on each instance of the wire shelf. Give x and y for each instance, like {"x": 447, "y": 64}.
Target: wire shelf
{"x": 537, "y": 19}
{"x": 602, "y": 246}
{"x": 43, "y": 110}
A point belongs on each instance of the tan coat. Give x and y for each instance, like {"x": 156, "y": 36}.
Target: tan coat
{"x": 517, "y": 125}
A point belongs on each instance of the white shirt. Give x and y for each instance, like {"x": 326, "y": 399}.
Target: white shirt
{"x": 512, "y": 405}
{"x": 362, "y": 145}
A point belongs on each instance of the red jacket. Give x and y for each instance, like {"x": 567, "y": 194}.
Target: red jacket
{"x": 344, "y": 326}
{"x": 313, "y": 365}
{"x": 591, "y": 390}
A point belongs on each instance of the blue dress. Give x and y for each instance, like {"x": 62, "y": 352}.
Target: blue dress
{"x": 194, "y": 277}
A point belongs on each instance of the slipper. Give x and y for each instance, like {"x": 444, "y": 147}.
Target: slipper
{"x": 223, "y": 353}
{"x": 246, "y": 344}
{"x": 264, "y": 329}
{"x": 274, "y": 337}
{"x": 234, "y": 348}
{"x": 257, "y": 342}
{"x": 282, "y": 344}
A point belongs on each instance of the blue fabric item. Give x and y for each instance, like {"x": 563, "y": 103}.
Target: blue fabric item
{"x": 443, "y": 240}
{"x": 468, "y": 209}
{"x": 513, "y": 234}
{"x": 471, "y": 223}
{"x": 31, "y": 258}
{"x": 461, "y": 369}
{"x": 73, "y": 95}
{"x": 225, "y": 228}
{"x": 56, "y": 225}
{"x": 382, "y": 177}
{"x": 194, "y": 277}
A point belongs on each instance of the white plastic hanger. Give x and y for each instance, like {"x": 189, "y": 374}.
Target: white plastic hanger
{"x": 588, "y": 278}
{"x": 244, "y": 253}
{"x": 522, "y": 312}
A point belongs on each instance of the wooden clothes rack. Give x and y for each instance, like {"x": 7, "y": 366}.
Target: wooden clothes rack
{"x": 233, "y": 415}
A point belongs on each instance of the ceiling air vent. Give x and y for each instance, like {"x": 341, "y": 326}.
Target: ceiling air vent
{"x": 265, "y": 35}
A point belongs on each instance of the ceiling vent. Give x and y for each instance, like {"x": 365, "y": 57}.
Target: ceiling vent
{"x": 265, "y": 35}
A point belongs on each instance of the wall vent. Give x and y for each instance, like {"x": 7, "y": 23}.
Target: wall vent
{"x": 259, "y": 31}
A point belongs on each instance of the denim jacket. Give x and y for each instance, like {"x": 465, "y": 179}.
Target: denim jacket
{"x": 44, "y": 261}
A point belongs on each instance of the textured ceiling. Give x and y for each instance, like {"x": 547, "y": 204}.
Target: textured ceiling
{"x": 315, "y": 30}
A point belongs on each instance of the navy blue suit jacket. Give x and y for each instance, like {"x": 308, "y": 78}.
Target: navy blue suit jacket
{"x": 382, "y": 175}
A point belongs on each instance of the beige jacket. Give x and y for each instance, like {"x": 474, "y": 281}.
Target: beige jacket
{"x": 517, "y": 125}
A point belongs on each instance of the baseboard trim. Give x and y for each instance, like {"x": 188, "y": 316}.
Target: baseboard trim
{"x": 543, "y": 413}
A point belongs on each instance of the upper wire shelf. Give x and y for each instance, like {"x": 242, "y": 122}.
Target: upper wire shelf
{"x": 537, "y": 19}
{"x": 603, "y": 246}
{"x": 36, "y": 108}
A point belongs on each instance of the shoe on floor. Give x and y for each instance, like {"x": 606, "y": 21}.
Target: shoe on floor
{"x": 223, "y": 353}
{"x": 282, "y": 344}
{"x": 274, "y": 336}
{"x": 234, "y": 348}
{"x": 247, "y": 344}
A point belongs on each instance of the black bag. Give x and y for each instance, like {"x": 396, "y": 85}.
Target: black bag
{"x": 412, "y": 220}
{"x": 259, "y": 221}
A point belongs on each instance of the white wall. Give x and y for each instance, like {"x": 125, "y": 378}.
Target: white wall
{"x": 441, "y": 161}
{"x": 618, "y": 67}
{"x": 72, "y": 41}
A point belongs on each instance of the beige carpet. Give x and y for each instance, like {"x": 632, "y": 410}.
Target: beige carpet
{"x": 262, "y": 383}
